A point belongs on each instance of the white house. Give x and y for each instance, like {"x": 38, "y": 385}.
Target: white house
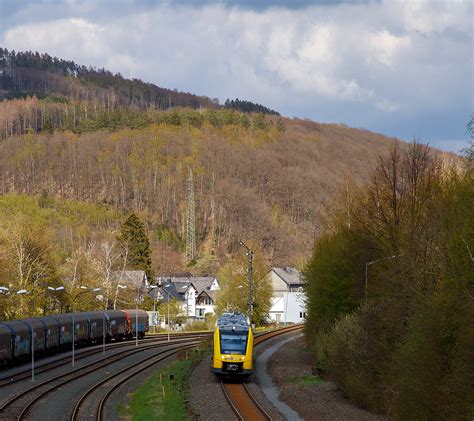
{"x": 205, "y": 303}
{"x": 289, "y": 298}
{"x": 195, "y": 293}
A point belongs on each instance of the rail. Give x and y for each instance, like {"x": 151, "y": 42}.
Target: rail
{"x": 238, "y": 395}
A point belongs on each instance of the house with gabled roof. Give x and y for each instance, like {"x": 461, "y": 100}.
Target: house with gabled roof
{"x": 196, "y": 293}
{"x": 287, "y": 279}
{"x": 130, "y": 278}
{"x": 289, "y": 298}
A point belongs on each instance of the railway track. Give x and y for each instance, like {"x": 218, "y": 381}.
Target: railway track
{"x": 239, "y": 397}
{"x": 18, "y": 406}
{"x": 112, "y": 382}
{"x": 7, "y": 380}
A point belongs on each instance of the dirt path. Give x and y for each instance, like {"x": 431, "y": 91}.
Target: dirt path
{"x": 313, "y": 399}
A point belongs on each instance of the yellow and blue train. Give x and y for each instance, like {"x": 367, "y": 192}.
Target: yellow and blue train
{"x": 233, "y": 346}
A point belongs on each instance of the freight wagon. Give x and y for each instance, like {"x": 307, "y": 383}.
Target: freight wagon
{"x": 54, "y": 333}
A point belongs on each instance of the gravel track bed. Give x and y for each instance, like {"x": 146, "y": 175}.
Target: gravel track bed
{"x": 58, "y": 404}
{"x": 14, "y": 388}
{"x": 322, "y": 402}
{"x": 207, "y": 399}
{"x": 122, "y": 395}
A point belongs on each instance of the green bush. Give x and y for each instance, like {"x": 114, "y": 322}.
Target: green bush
{"x": 195, "y": 326}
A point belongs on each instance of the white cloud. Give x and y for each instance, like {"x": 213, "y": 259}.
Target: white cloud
{"x": 351, "y": 62}
{"x": 384, "y": 46}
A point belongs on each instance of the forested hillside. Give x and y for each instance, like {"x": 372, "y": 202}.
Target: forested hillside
{"x": 48, "y": 93}
{"x": 259, "y": 181}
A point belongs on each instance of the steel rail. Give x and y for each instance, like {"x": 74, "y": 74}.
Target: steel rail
{"x": 65, "y": 378}
{"x": 101, "y": 406}
{"x": 26, "y": 374}
{"x": 240, "y": 397}
{"x": 231, "y": 402}
{"x": 24, "y": 412}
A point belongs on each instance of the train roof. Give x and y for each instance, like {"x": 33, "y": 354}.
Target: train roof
{"x": 233, "y": 320}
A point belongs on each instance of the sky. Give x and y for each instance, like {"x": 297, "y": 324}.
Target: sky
{"x": 401, "y": 68}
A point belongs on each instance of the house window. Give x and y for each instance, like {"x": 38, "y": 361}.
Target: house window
{"x": 302, "y": 315}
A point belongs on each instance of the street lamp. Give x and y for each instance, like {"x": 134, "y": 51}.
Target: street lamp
{"x": 250, "y": 279}
{"x": 73, "y": 299}
{"x": 136, "y": 317}
{"x": 23, "y": 292}
{"x": 154, "y": 307}
{"x": 367, "y": 269}
{"x": 168, "y": 304}
{"x": 136, "y": 311}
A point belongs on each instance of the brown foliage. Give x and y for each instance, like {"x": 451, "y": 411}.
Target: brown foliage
{"x": 266, "y": 185}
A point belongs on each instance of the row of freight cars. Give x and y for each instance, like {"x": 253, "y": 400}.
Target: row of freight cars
{"x": 53, "y": 333}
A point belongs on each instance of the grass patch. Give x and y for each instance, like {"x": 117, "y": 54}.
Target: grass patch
{"x": 148, "y": 401}
{"x": 306, "y": 380}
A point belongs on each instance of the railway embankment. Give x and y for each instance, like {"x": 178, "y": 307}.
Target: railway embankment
{"x": 308, "y": 395}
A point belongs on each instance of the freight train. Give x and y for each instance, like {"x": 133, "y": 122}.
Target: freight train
{"x": 233, "y": 346}
{"x": 53, "y": 333}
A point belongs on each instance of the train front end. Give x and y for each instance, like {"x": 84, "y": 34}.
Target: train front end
{"x": 233, "y": 346}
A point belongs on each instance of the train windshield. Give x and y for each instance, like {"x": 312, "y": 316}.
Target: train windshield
{"x": 233, "y": 342}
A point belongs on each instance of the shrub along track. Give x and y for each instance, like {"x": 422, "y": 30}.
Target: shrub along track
{"x": 19, "y": 406}
{"x": 239, "y": 396}
{"x": 83, "y": 353}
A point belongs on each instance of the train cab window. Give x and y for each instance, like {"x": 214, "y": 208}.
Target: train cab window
{"x": 233, "y": 342}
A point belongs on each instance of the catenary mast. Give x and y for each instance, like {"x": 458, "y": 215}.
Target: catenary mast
{"x": 191, "y": 254}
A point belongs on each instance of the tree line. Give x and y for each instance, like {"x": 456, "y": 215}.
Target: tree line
{"x": 33, "y": 115}
{"x": 31, "y": 73}
{"x": 248, "y": 107}
{"x": 92, "y": 92}
{"x": 391, "y": 287}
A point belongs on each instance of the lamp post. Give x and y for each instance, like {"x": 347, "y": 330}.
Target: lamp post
{"x": 136, "y": 317}
{"x": 24, "y": 292}
{"x": 92, "y": 290}
{"x": 168, "y": 304}
{"x": 73, "y": 299}
{"x": 367, "y": 270}
{"x": 250, "y": 279}
{"x": 154, "y": 306}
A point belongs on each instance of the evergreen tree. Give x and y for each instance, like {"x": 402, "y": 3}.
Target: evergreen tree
{"x": 134, "y": 240}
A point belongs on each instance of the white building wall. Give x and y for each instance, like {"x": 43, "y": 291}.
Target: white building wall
{"x": 290, "y": 307}
{"x": 206, "y": 308}
{"x": 278, "y": 285}
{"x": 215, "y": 285}
{"x": 191, "y": 302}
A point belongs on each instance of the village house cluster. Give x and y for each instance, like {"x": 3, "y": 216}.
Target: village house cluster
{"x": 196, "y": 296}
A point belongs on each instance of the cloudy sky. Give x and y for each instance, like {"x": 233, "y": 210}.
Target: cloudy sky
{"x": 402, "y": 68}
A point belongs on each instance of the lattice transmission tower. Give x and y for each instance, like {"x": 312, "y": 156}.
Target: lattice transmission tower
{"x": 191, "y": 253}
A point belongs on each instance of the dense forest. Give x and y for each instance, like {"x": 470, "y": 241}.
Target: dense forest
{"x": 248, "y": 107}
{"x": 391, "y": 288}
{"x": 48, "y": 93}
{"x": 31, "y": 73}
{"x": 249, "y": 181}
